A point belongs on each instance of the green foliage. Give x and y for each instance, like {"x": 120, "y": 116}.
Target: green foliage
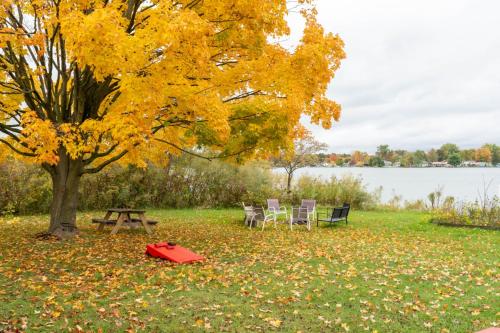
{"x": 446, "y": 150}
{"x": 419, "y": 157}
{"x": 24, "y": 188}
{"x": 187, "y": 182}
{"x": 417, "y": 205}
{"x": 468, "y": 154}
{"x": 383, "y": 152}
{"x": 340, "y": 162}
{"x": 376, "y": 161}
{"x": 495, "y": 152}
{"x": 455, "y": 159}
{"x": 432, "y": 155}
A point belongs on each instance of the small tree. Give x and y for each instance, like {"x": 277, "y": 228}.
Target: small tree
{"x": 359, "y": 158}
{"x": 483, "y": 154}
{"x": 304, "y": 154}
{"x": 419, "y": 157}
{"x": 432, "y": 155}
{"x": 407, "y": 160}
{"x": 384, "y": 152}
{"x": 446, "y": 151}
{"x": 468, "y": 154}
{"x": 376, "y": 161}
{"x": 495, "y": 152}
{"x": 455, "y": 159}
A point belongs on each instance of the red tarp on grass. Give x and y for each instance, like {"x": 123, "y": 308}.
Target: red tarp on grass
{"x": 490, "y": 330}
{"x": 174, "y": 253}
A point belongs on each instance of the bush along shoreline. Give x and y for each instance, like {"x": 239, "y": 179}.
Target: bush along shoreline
{"x": 187, "y": 182}
{"x": 483, "y": 213}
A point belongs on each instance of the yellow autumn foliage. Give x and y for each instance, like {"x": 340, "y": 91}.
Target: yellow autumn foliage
{"x": 102, "y": 81}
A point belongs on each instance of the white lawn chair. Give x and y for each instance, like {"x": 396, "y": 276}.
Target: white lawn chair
{"x": 248, "y": 213}
{"x": 311, "y": 207}
{"x": 254, "y": 215}
{"x": 273, "y": 207}
{"x": 300, "y": 215}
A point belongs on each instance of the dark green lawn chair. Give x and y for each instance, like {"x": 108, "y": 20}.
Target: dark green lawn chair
{"x": 333, "y": 215}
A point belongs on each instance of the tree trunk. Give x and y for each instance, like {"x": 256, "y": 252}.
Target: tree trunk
{"x": 65, "y": 180}
{"x": 289, "y": 182}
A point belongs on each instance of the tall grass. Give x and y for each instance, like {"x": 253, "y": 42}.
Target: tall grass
{"x": 335, "y": 191}
{"x": 485, "y": 211}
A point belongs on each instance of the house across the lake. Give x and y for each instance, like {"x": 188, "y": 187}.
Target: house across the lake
{"x": 442, "y": 164}
{"x": 471, "y": 164}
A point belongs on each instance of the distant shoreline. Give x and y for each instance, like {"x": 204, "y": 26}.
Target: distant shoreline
{"x": 412, "y": 183}
{"x": 412, "y": 167}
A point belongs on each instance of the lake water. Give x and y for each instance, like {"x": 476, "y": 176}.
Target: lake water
{"x": 464, "y": 184}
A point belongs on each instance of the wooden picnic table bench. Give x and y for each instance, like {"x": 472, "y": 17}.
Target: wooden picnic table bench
{"x": 124, "y": 219}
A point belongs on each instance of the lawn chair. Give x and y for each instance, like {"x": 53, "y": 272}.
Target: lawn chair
{"x": 311, "y": 207}
{"x": 335, "y": 215}
{"x": 273, "y": 207}
{"x": 345, "y": 212}
{"x": 255, "y": 214}
{"x": 248, "y": 213}
{"x": 300, "y": 215}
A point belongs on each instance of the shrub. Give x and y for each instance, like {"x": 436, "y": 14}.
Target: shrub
{"x": 485, "y": 213}
{"x": 417, "y": 205}
{"x": 24, "y": 188}
{"x": 334, "y": 192}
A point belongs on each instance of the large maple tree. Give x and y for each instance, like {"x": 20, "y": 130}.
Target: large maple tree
{"x": 85, "y": 83}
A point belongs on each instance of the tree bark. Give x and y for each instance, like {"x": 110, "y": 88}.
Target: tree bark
{"x": 65, "y": 180}
{"x": 289, "y": 182}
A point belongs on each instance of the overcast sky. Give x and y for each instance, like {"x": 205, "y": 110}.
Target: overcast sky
{"x": 418, "y": 73}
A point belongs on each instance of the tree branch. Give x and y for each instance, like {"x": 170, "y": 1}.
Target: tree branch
{"x": 104, "y": 164}
{"x": 8, "y": 144}
{"x": 209, "y": 158}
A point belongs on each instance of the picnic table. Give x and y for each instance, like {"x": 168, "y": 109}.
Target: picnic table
{"x": 125, "y": 219}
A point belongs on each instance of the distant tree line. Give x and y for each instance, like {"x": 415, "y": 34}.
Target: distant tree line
{"x": 449, "y": 153}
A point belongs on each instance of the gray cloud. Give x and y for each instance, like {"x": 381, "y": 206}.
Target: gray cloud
{"x": 418, "y": 73}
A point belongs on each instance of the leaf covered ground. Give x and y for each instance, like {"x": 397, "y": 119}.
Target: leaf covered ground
{"x": 384, "y": 272}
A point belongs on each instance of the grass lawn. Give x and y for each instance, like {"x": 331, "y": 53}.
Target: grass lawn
{"x": 384, "y": 272}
